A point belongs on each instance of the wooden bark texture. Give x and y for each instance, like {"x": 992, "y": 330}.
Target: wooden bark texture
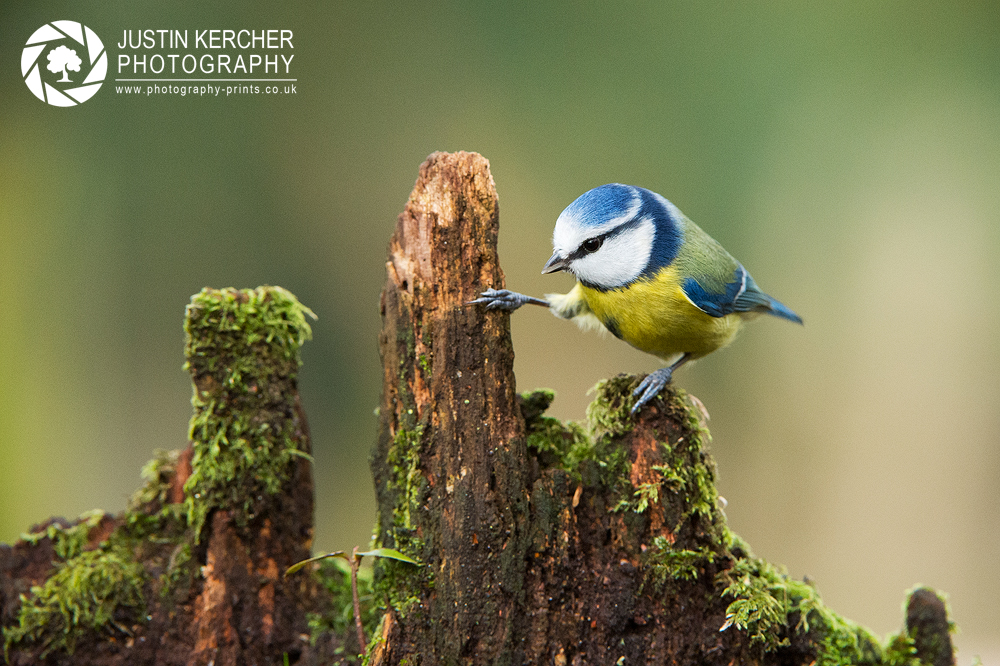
{"x": 540, "y": 542}
{"x": 446, "y": 383}
{"x": 529, "y": 560}
{"x": 216, "y": 596}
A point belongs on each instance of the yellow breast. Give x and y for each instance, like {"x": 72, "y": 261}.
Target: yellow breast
{"x": 656, "y": 317}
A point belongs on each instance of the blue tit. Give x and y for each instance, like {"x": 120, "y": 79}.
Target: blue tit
{"x": 650, "y": 276}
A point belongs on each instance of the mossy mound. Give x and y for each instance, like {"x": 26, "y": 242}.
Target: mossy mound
{"x": 768, "y": 606}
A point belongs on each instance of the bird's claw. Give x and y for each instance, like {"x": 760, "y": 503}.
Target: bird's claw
{"x": 504, "y": 299}
{"x": 498, "y": 299}
{"x": 650, "y": 387}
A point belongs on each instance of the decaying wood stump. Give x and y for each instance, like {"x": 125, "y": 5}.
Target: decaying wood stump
{"x": 541, "y": 542}
{"x": 192, "y": 572}
{"x": 544, "y": 542}
{"x": 449, "y": 465}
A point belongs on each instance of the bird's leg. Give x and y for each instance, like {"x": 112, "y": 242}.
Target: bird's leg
{"x": 654, "y": 382}
{"x": 508, "y": 301}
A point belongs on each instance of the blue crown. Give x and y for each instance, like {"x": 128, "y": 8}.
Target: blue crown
{"x": 597, "y": 206}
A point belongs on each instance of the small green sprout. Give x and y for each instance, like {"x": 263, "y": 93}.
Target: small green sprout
{"x": 354, "y": 560}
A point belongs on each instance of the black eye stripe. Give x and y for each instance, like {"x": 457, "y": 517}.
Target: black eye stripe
{"x": 583, "y": 250}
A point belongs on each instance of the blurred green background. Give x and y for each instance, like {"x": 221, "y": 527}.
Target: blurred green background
{"x": 848, "y": 153}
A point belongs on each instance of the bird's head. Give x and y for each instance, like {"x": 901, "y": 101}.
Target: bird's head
{"x": 614, "y": 234}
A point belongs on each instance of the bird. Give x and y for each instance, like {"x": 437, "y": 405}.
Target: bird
{"x": 650, "y": 276}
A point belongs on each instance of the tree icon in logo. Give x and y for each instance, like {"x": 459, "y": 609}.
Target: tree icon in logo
{"x": 63, "y": 58}
{"x": 69, "y": 46}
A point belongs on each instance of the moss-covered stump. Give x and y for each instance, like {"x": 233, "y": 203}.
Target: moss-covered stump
{"x": 559, "y": 543}
{"x": 631, "y": 558}
{"x": 542, "y": 542}
{"x": 191, "y": 573}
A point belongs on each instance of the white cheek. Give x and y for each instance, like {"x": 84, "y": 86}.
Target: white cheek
{"x": 620, "y": 260}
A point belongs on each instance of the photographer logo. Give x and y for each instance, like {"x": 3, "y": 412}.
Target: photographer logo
{"x": 64, "y": 63}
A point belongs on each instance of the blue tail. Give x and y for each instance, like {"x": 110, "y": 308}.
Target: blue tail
{"x": 777, "y": 309}
{"x": 755, "y": 300}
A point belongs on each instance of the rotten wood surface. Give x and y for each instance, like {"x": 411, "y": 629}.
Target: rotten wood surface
{"x": 527, "y": 565}
{"x": 447, "y": 370}
{"x": 530, "y": 560}
{"x": 532, "y": 553}
{"x": 213, "y": 593}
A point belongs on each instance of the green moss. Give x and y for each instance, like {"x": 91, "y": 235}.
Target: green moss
{"x": 664, "y": 563}
{"x": 608, "y": 415}
{"x": 375, "y": 641}
{"x": 102, "y": 589}
{"x": 268, "y": 319}
{"x": 563, "y": 445}
{"x": 68, "y": 541}
{"x": 549, "y": 436}
{"x": 765, "y": 602}
{"x": 179, "y": 573}
{"x": 760, "y": 606}
{"x": 157, "y": 475}
{"x": 534, "y": 403}
{"x": 407, "y": 481}
{"x": 151, "y": 518}
{"x": 901, "y": 651}
{"x": 574, "y": 447}
{"x": 646, "y": 494}
{"x": 686, "y": 470}
{"x": 425, "y": 364}
{"x": 608, "y": 419}
{"x": 768, "y": 605}
{"x": 685, "y": 404}
{"x": 396, "y": 584}
{"x": 242, "y": 348}
{"x": 94, "y": 591}
{"x": 845, "y": 642}
{"x": 694, "y": 483}
{"x": 158, "y": 530}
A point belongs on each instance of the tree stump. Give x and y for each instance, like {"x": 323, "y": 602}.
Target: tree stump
{"x": 192, "y": 572}
{"x": 541, "y": 542}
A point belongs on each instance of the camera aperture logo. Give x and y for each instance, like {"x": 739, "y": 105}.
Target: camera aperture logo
{"x": 64, "y": 63}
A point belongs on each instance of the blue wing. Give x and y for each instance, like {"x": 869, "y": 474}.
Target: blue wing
{"x": 741, "y": 294}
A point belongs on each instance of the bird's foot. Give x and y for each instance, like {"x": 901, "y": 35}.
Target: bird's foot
{"x": 650, "y": 386}
{"x": 506, "y": 300}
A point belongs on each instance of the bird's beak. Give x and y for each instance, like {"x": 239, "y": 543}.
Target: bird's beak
{"x": 555, "y": 263}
